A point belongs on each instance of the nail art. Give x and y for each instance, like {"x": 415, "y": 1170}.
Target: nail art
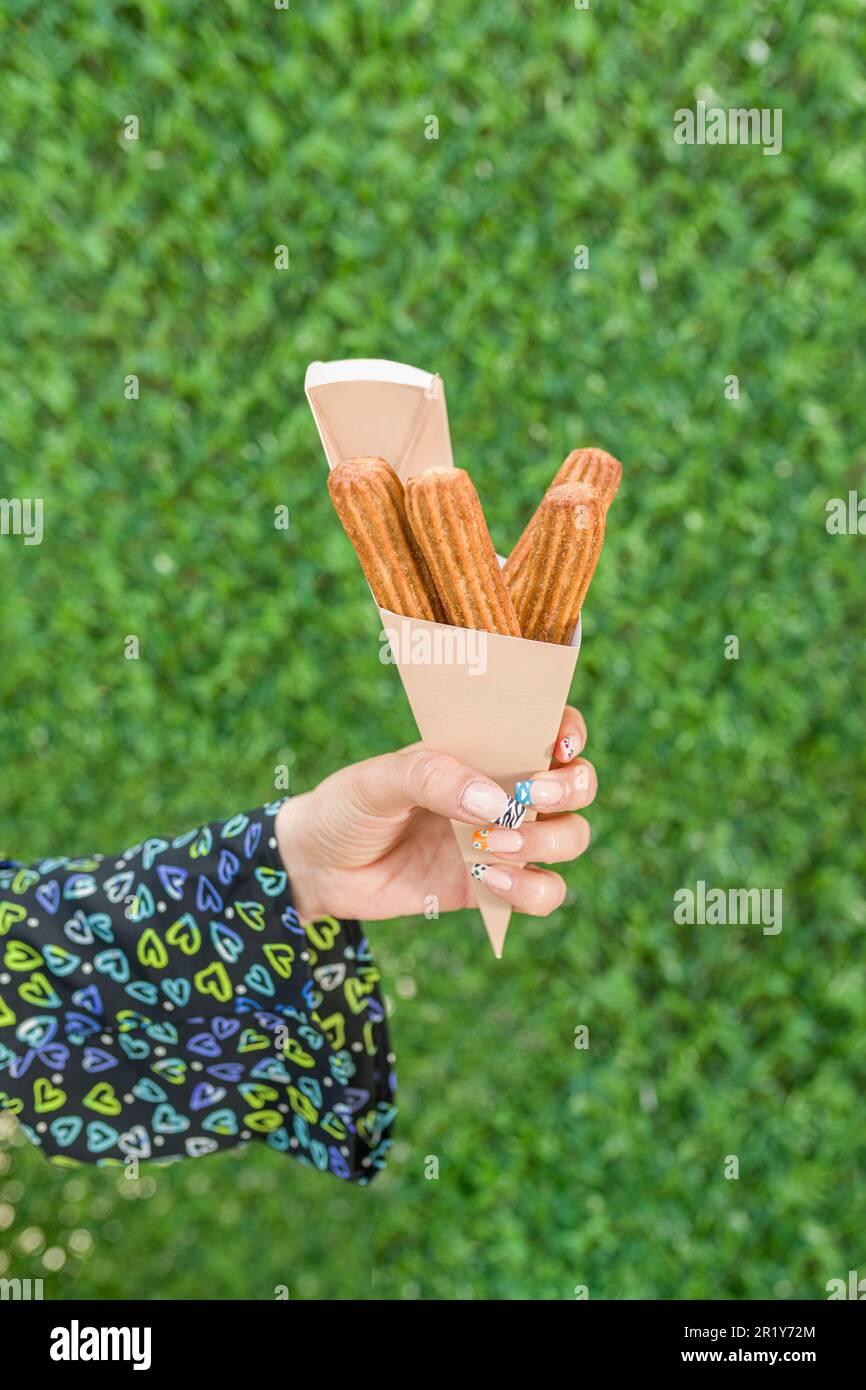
{"x": 494, "y": 874}
{"x": 497, "y": 839}
{"x": 567, "y": 748}
{"x": 512, "y": 817}
{"x": 546, "y": 791}
{"x": 543, "y": 792}
{"x": 514, "y": 812}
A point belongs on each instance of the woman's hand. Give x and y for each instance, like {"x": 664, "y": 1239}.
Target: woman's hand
{"x": 373, "y": 840}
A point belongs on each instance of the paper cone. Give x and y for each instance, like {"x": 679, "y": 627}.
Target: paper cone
{"x": 493, "y": 702}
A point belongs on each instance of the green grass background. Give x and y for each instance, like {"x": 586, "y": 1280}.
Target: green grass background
{"x": 306, "y": 128}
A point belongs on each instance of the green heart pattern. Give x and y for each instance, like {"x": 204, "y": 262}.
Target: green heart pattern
{"x": 168, "y": 1002}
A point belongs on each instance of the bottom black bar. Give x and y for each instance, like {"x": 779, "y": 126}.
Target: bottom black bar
{"x": 200, "y": 1337}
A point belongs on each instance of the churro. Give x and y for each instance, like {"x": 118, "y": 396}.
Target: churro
{"x": 369, "y": 500}
{"x": 601, "y": 470}
{"x": 449, "y": 527}
{"x": 564, "y": 549}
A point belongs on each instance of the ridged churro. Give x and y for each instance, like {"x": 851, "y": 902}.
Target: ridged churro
{"x": 563, "y": 553}
{"x": 601, "y": 470}
{"x": 369, "y": 500}
{"x": 449, "y": 527}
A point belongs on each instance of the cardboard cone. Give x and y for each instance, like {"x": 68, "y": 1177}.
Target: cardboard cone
{"x": 493, "y": 702}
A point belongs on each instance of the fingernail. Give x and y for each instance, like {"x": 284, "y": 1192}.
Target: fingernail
{"x": 513, "y": 814}
{"x": 492, "y": 876}
{"x": 566, "y": 749}
{"x": 543, "y": 791}
{"x": 484, "y": 800}
{"x": 495, "y": 840}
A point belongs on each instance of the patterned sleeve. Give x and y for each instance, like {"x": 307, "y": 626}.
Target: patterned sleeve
{"x": 168, "y": 1002}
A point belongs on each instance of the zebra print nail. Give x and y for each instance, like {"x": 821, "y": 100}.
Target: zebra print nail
{"x": 513, "y": 814}
{"x": 512, "y": 817}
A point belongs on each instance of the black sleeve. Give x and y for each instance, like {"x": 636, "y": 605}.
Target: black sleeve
{"x": 167, "y": 1002}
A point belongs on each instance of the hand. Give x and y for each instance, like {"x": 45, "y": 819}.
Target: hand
{"x": 373, "y": 841}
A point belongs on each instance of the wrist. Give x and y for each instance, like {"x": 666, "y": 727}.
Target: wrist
{"x": 288, "y": 829}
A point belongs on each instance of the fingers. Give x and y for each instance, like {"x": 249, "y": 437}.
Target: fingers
{"x": 555, "y": 840}
{"x": 536, "y": 892}
{"x": 413, "y": 777}
{"x": 571, "y": 738}
{"x": 561, "y": 789}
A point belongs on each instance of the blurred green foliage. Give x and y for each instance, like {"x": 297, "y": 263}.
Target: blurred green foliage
{"x": 306, "y": 127}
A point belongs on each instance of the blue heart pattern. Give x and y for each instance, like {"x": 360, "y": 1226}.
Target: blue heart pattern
{"x": 168, "y": 1002}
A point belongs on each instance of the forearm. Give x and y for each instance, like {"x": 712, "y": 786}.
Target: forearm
{"x": 168, "y": 1002}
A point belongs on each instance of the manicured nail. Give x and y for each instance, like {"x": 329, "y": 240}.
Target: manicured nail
{"x": 513, "y": 814}
{"x": 484, "y": 800}
{"x": 495, "y": 840}
{"x": 542, "y": 791}
{"x": 566, "y": 749}
{"x": 492, "y": 876}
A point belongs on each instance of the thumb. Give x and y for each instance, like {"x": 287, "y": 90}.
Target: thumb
{"x": 397, "y": 782}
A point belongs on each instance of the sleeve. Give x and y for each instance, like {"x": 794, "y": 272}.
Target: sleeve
{"x": 168, "y": 1003}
